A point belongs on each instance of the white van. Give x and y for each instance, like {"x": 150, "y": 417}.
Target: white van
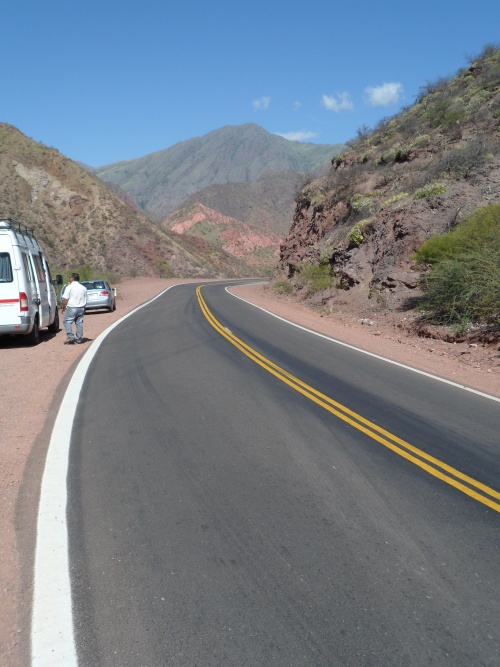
{"x": 28, "y": 300}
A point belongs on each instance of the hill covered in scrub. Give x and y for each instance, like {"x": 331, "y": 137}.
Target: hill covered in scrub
{"x": 161, "y": 182}
{"x": 80, "y": 222}
{"x": 355, "y": 232}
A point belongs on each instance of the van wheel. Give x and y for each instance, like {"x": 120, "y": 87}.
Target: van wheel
{"x": 33, "y": 338}
{"x": 54, "y": 327}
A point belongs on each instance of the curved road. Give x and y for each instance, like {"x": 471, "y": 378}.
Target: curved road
{"x": 243, "y": 492}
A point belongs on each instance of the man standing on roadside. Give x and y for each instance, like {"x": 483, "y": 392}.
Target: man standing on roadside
{"x": 74, "y": 300}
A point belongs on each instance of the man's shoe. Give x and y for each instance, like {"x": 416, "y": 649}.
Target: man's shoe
{"x": 78, "y": 342}
{"x": 69, "y": 341}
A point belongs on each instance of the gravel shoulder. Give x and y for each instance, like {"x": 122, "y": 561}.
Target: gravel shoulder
{"x": 33, "y": 379}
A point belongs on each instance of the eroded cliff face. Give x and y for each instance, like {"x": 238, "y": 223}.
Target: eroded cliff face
{"x": 410, "y": 179}
{"x": 257, "y": 249}
{"x": 372, "y": 256}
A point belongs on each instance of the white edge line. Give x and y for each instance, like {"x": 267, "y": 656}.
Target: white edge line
{"x": 52, "y": 632}
{"x": 370, "y": 354}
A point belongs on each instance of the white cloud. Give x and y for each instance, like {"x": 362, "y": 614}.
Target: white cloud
{"x": 384, "y": 95}
{"x": 262, "y": 104}
{"x": 297, "y": 104}
{"x": 301, "y": 135}
{"x": 336, "y": 103}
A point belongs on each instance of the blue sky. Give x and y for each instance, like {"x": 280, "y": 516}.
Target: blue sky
{"x": 110, "y": 80}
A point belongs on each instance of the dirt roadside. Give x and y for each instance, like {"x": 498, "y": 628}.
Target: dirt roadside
{"x": 32, "y": 381}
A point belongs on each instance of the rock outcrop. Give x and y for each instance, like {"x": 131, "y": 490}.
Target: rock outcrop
{"x": 257, "y": 249}
{"x": 415, "y": 176}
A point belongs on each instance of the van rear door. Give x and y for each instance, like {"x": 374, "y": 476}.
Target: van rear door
{"x": 9, "y": 290}
{"x": 42, "y": 288}
{"x": 51, "y": 292}
{"x": 29, "y": 286}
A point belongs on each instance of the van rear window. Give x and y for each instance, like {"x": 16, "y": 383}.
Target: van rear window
{"x": 5, "y": 268}
{"x": 39, "y": 269}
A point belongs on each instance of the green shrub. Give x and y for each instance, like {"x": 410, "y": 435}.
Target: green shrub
{"x": 282, "y": 286}
{"x": 430, "y": 190}
{"x": 478, "y": 231}
{"x": 359, "y": 232}
{"x": 421, "y": 140}
{"x": 464, "y": 289}
{"x": 464, "y": 282}
{"x": 443, "y": 115}
{"x": 326, "y": 255}
{"x": 361, "y": 202}
{"x": 390, "y": 201}
{"x": 356, "y": 236}
{"x": 400, "y": 152}
{"x": 317, "y": 278}
{"x": 317, "y": 198}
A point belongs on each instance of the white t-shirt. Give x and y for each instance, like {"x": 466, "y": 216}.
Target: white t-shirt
{"x": 76, "y": 293}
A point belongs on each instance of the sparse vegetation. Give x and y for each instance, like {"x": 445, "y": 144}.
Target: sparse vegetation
{"x": 316, "y": 278}
{"x": 430, "y": 190}
{"x": 163, "y": 268}
{"x": 463, "y": 284}
{"x": 443, "y": 151}
{"x": 463, "y": 161}
{"x": 356, "y": 236}
{"x": 393, "y": 199}
{"x": 326, "y": 254}
{"x": 282, "y": 286}
{"x": 362, "y": 202}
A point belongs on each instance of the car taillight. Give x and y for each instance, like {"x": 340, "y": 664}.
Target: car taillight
{"x": 105, "y": 293}
{"x": 23, "y": 300}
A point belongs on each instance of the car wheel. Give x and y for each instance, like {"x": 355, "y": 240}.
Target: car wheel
{"x": 54, "y": 327}
{"x": 33, "y": 338}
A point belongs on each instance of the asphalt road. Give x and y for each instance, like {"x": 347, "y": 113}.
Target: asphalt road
{"x": 219, "y": 516}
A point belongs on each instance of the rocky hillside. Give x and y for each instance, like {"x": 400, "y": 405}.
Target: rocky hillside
{"x": 81, "y": 223}
{"x": 415, "y": 175}
{"x": 162, "y": 182}
{"x": 259, "y": 250}
{"x": 248, "y": 220}
{"x": 267, "y": 204}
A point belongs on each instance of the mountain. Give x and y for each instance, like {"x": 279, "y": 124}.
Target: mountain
{"x": 266, "y": 204}
{"x": 162, "y": 181}
{"x": 258, "y": 249}
{"x": 81, "y": 223}
{"x": 416, "y": 175}
{"x": 257, "y": 213}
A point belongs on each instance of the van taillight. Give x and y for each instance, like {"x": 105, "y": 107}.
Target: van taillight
{"x": 23, "y": 300}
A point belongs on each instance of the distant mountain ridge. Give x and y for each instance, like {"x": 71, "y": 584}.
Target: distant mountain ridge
{"x": 161, "y": 182}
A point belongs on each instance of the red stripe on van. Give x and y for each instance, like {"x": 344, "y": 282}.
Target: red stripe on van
{"x": 9, "y": 300}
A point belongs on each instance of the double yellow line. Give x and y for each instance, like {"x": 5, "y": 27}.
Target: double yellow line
{"x": 480, "y": 492}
